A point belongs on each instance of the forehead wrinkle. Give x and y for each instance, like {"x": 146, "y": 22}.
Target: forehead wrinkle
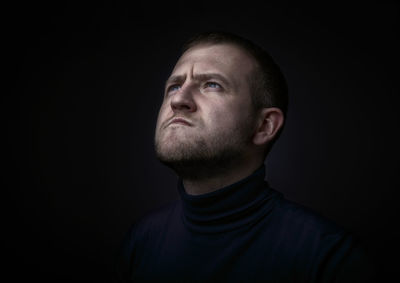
{"x": 199, "y": 61}
{"x": 211, "y": 69}
{"x": 191, "y": 71}
{"x": 213, "y": 75}
{"x": 202, "y": 77}
{"x": 176, "y": 79}
{"x": 180, "y": 78}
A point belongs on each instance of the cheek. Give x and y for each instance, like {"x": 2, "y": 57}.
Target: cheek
{"x": 221, "y": 119}
{"x": 162, "y": 114}
{"x": 233, "y": 118}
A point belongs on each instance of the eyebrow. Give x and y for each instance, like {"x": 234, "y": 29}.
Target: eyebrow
{"x": 199, "y": 77}
{"x": 175, "y": 79}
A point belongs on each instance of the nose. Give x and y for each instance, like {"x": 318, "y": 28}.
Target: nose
{"x": 182, "y": 101}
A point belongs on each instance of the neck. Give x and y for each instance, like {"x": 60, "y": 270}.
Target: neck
{"x": 199, "y": 186}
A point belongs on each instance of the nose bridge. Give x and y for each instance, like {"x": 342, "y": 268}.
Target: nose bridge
{"x": 183, "y": 100}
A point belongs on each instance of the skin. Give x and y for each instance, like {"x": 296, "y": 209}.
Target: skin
{"x": 207, "y": 130}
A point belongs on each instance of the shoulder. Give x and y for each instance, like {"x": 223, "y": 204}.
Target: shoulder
{"x": 141, "y": 235}
{"x": 154, "y": 220}
{"x": 333, "y": 251}
{"x": 306, "y": 232}
{"x": 300, "y": 217}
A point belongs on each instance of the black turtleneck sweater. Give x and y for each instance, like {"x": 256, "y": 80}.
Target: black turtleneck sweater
{"x": 241, "y": 233}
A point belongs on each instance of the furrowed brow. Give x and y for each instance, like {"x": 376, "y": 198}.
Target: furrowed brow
{"x": 199, "y": 77}
{"x": 175, "y": 79}
{"x": 211, "y": 76}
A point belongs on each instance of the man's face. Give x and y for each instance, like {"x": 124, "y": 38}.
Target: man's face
{"x": 206, "y": 115}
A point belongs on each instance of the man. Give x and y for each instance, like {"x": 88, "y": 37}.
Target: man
{"x": 224, "y": 106}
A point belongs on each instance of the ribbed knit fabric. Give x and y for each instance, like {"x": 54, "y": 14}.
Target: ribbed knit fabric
{"x": 229, "y": 208}
{"x": 244, "y": 232}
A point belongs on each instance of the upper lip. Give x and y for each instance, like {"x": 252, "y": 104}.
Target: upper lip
{"x": 179, "y": 120}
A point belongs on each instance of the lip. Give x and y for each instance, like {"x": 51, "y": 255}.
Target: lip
{"x": 180, "y": 121}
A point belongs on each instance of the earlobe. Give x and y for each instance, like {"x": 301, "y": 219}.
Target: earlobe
{"x": 271, "y": 121}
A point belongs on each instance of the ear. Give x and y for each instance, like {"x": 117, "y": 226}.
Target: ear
{"x": 269, "y": 123}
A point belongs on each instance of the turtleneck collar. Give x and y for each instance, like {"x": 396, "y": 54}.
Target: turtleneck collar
{"x": 232, "y": 207}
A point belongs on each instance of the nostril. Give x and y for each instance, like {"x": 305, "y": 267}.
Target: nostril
{"x": 182, "y": 107}
{"x": 183, "y": 103}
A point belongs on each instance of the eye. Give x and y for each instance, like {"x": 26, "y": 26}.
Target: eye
{"x": 213, "y": 85}
{"x": 173, "y": 88}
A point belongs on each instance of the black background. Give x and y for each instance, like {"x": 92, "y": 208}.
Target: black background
{"x": 83, "y": 85}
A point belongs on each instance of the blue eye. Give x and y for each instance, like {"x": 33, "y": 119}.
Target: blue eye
{"x": 174, "y": 88}
{"x": 213, "y": 85}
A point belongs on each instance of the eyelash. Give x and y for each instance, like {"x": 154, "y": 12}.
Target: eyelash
{"x": 219, "y": 86}
{"x": 170, "y": 88}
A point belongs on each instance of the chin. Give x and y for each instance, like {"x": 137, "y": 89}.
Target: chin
{"x": 172, "y": 151}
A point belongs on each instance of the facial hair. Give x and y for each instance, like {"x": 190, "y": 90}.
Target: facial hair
{"x": 205, "y": 156}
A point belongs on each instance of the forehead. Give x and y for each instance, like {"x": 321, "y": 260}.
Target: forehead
{"x": 227, "y": 59}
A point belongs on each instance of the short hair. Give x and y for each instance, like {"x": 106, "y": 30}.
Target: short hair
{"x": 268, "y": 85}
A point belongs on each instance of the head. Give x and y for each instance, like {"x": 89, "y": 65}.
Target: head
{"x": 224, "y": 104}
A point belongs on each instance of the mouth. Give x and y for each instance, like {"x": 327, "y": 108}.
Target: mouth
{"x": 180, "y": 121}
